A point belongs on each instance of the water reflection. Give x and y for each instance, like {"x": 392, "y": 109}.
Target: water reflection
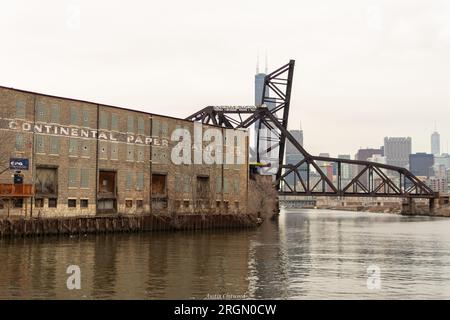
{"x": 306, "y": 254}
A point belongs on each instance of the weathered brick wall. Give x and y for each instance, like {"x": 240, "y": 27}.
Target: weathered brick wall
{"x": 119, "y": 152}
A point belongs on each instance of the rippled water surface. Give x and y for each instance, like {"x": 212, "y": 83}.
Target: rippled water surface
{"x": 306, "y": 254}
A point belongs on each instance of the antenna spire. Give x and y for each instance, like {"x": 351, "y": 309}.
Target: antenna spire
{"x": 265, "y": 71}
{"x": 257, "y": 62}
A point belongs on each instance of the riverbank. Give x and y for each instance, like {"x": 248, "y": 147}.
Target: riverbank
{"x": 420, "y": 211}
{"x": 108, "y": 224}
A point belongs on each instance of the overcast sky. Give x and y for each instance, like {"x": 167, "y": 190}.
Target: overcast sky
{"x": 364, "y": 69}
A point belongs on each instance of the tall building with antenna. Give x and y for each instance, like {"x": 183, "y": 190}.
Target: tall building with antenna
{"x": 265, "y": 140}
{"x": 435, "y": 143}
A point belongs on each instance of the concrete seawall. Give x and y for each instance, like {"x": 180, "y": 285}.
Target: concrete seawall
{"x": 106, "y": 224}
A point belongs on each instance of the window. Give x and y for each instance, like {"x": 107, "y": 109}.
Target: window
{"x": 104, "y": 120}
{"x": 187, "y": 184}
{"x": 114, "y": 122}
{"x": 225, "y": 185}
{"x": 72, "y": 203}
{"x": 84, "y": 203}
{"x": 19, "y": 142}
{"x": 18, "y": 203}
{"x": 236, "y": 186}
{"x": 73, "y": 181}
{"x": 219, "y": 184}
{"x": 103, "y": 145}
{"x": 39, "y": 203}
{"x": 86, "y": 149}
{"x": 139, "y": 204}
{"x": 20, "y": 109}
{"x": 85, "y": 118}
{"x": 155, "y": 128}
{"x": 218, "y": 204}
{"x": 73, "y": 147}
{"x": 164, "y": 129}
{"x": 129, "y": 181}
{"x": 114, "y": 151}
{"x": 52, "y": 202}
{"x": 186, "y": 204}
{"x": 130, "y": 124}
{"x": 141, "y": 126}
{"x": 140, "y": 153}
{"x": 84, "y": 178}
{"x": 130, "y": 152}
{"x": 140, "y": 181}
{"x": 54, "y": 115}
{"x": 54, "y": 145}
{"x": 41, "y": 112}
{"x": 236, "y": 205}
{"x": 40, "y": 143}
{"x": 129, "y": 203}
{"x": 178, "y": 183}
{"x": 73, "y": 116}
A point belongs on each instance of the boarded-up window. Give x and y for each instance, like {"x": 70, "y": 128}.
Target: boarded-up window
{"x": 129, "y": 181}
{"x": 203, "y": 187}
{"x": 103, "y": 145}
{"x": 54, "y": 145}
{"x": 20, "y": 145}
{"x": 236, "y": 186}
{"x": 187, "y": 184}
{"x": 84, "y": 183}
{"x": 114, "y": 151}
{"x": 164, "y": 129}
{"x": 141, "y": 126}
{"x": 130, "y": 124}
{"x": 40, "y": 143}
{"x": 155, "y": 128}
{"x": 140, "y": 181}
{"x": 73, "y": 178}
{"x": 114, "y": 122}
{"x": 225, "y": 185}
{"x": 85, "y": 148}
{"x": 104, "y": 120}
{"x": 41, "y": 112}
{"x": 54, "y": 114}
{"x": 73, "y": 147}
{"x": 130, "y": 152}
{"x": 74, "y": 116}
{"x": 158, "y": 184}
{"x": 46, "y": 181}
{"x": 140, "y": 153}
{"x": 20, "y": 109}
{"x": 178, "y": 183}
{"x": 85, "y": 118}
{"x": 218, "y": 184}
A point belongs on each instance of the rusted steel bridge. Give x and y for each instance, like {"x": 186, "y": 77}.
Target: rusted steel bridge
{"x": 308, "y": 176}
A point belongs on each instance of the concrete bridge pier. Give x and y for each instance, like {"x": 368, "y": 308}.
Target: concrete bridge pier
{"x": 409, "y": 206}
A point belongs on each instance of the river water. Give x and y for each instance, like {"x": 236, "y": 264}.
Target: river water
{"x": 306, "y": 254}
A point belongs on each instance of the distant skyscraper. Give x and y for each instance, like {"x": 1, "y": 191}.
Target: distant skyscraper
{"x": 293, "y": 156}
{"x": 397, "y": 151}
{"x": 265, "y": 138}
{"x": 435, "y": 143}
{"x": 420, "y": 164}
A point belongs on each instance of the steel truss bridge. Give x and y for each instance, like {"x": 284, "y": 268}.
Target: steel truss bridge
{"x": 309, "y": 176}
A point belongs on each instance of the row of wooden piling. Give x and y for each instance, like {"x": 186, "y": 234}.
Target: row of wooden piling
{"x": 109, "y": 224}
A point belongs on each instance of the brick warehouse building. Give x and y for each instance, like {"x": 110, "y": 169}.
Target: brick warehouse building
{"x": 87, "y": 159}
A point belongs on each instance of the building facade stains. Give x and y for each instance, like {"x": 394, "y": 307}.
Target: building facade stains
{"x": 88, "y": 159}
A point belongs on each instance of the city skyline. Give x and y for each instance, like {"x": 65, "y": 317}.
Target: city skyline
{"x": 364, "y": 70}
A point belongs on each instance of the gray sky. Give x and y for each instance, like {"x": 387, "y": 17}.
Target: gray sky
{"x": 364, "y": 69}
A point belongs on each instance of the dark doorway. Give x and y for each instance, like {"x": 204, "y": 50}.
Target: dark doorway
{"x": 107, "y": 202}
